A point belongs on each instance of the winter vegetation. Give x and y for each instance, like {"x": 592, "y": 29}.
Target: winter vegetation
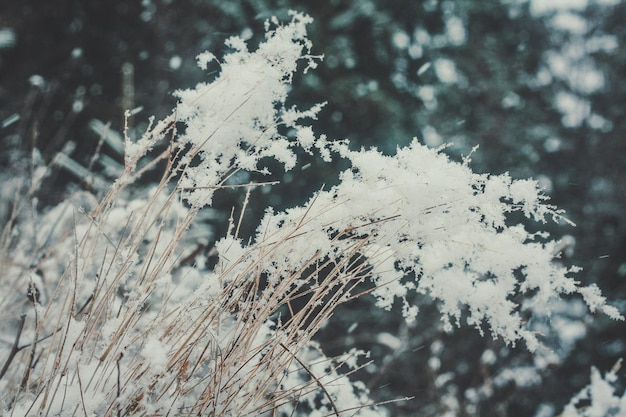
{"x": 110, "y": 308}
{"x": 599, "y": 397}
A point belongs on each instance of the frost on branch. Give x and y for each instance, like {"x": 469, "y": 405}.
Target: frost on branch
{"x": 599, "y": 397}
{"x": 235, "y": 120}
{"x": 417, "y": 214}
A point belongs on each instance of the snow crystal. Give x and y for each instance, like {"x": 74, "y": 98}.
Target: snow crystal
{"x": 306, "y": 137}
{"x": 423, "y": 68}
{"x": 597, "y": 122}
{"x": 10, "y": 120}
{"x": 605, "y": 43}
{"x": 552, "y": 144}
{"x": 574, "y": 109}
{"x": 416, "y": 51}
{"x": 431, "y": 137}
{"x": 36, "y": 80}
{"x": 434, "y": 363}
{"x": 7, "y": 38}
{"x": 455, "y": 31}
{"x": 542, "y": 7}
{"x": 175, "y": 62}
{"x": 155, "y": 354}
{"x": 389, "y": 340}
{"x": 443, "y": 379}
{"x": 77, "y": 53}
{"x": 488, "y": 357}
{"x": 570, "y": 22}
{"x": 204, "y": 59}
{"x": 352, "y": 327}
{"x": 522, "y": 376}
{"x": 446, "y": 71}
{"x": 421, "y": 36}
{"x": 401, "y": 40}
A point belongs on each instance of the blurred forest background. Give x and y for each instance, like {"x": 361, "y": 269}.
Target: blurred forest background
{"x": 537, "y": 84}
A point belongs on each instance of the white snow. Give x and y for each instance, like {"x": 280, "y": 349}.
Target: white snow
{"x": 446, "y": 71}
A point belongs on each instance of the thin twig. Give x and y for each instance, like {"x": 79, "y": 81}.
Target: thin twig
{"x": 250, "y": 184}
{"x": 80, "y": 387}
{"x": 119, "y": 388}
{"x": 319, "y": 383}
{"x": 243, "y": 210}
{"x": 15, "y": 348}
